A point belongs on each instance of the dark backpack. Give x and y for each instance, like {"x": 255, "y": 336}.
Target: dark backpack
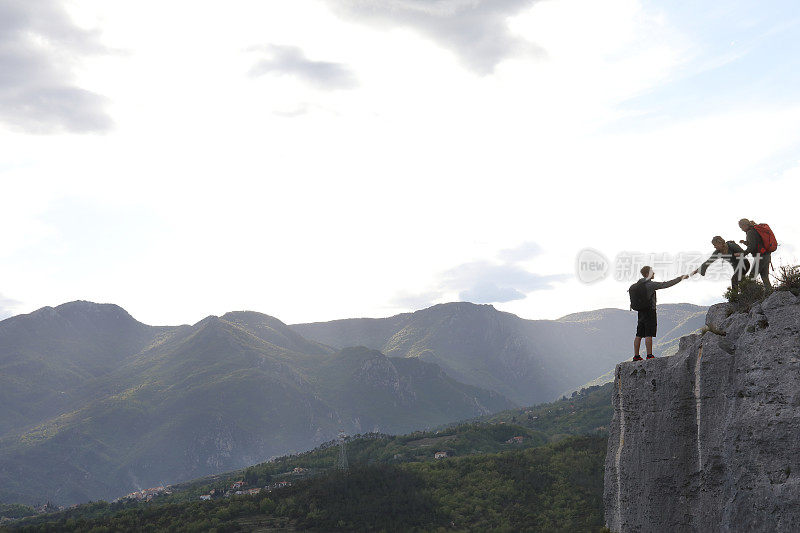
{"x": 638, "y": 294}
{"x": 767, "y": 237}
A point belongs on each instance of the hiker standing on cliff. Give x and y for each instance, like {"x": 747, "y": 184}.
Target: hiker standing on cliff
{"x": 731, "y": 252}
{"x": 760, "y": 248}
{"x": 643, "y": 300}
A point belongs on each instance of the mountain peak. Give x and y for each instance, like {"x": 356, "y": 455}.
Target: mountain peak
{"x": 81, "y": 304}
{"x": 87, "y": 308}
{"x": 249, "y": 316}
{"x": 210, "y": 319}
{"x": 458, "y": 307}
{"x": 274, "y": 331}
{"x": 80, "y": 313}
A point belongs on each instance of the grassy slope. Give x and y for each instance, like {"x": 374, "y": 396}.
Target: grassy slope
{"x": 557, "y": 487}
{"x": 488, "y": 484}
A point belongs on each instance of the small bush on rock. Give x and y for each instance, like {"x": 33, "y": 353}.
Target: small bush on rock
{"x": 749, "y": 293}
{"x": 788, "y": 279}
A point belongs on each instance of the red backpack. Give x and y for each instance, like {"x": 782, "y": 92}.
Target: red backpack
{"x": 770, "y": 244}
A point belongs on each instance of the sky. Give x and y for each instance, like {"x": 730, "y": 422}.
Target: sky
{"x": 324, "y": 159}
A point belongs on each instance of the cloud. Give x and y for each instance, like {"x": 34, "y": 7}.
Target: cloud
{"x": 7, "y": 307}
{"x": 476, "y": 30}
{"x": 39, "y": 45}
{"x": 486, "y": 281}
{"x": 524, "y": 251}
{"x": 292, "y": 61}
{"x": 488, "y": 292}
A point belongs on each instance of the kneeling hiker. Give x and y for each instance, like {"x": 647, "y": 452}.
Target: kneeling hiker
{"x": 643, "y": 300}
{"x": 731, "y": 252}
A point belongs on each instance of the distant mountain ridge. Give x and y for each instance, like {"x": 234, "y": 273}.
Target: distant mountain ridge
{"x": 90, "y": 340}
{"x": 97, "y": 404}
{"x": 123, "y": 405}
{"x": 530, "y": 361}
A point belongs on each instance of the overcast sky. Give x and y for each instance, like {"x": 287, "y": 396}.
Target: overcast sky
{"x": 327, "y": 159}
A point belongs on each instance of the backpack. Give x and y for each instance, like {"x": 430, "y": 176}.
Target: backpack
{"x": 638, "y": 294}
{"x": 767, "y": 237}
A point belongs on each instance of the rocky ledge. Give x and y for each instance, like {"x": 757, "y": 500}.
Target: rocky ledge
{"x": 709, "y": 439}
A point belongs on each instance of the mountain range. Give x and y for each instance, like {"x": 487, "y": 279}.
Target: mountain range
{"x": 97, "y": 404}
{"x": 528, "y": 361}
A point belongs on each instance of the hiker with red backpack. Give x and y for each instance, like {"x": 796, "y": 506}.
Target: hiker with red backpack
{"x": 760, "y": 243}
{"x": 643, "y": 300}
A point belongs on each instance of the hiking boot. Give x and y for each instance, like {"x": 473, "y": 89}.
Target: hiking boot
{"x": 637, "y": 357}
{"x": 651, "y": 356}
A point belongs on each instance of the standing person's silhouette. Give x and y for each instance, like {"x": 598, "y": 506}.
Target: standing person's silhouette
{"x": 647, "y": 323}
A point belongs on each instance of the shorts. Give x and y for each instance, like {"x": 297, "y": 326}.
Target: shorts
{"x": 647, "y": 324}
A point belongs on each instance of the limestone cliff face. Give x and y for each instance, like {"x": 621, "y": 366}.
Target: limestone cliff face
{"x": 709, "y": 439}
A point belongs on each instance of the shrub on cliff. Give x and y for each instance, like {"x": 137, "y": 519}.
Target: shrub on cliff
{"x": 750, "y": 292}
{"x": 788, "y": 279}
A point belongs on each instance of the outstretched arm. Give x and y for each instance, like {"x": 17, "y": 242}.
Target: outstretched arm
{"x": 667, "y": 284}
{"x": 708, "y": 262}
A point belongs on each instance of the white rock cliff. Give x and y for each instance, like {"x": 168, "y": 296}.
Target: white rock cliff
{"x": 709, "y": 439}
